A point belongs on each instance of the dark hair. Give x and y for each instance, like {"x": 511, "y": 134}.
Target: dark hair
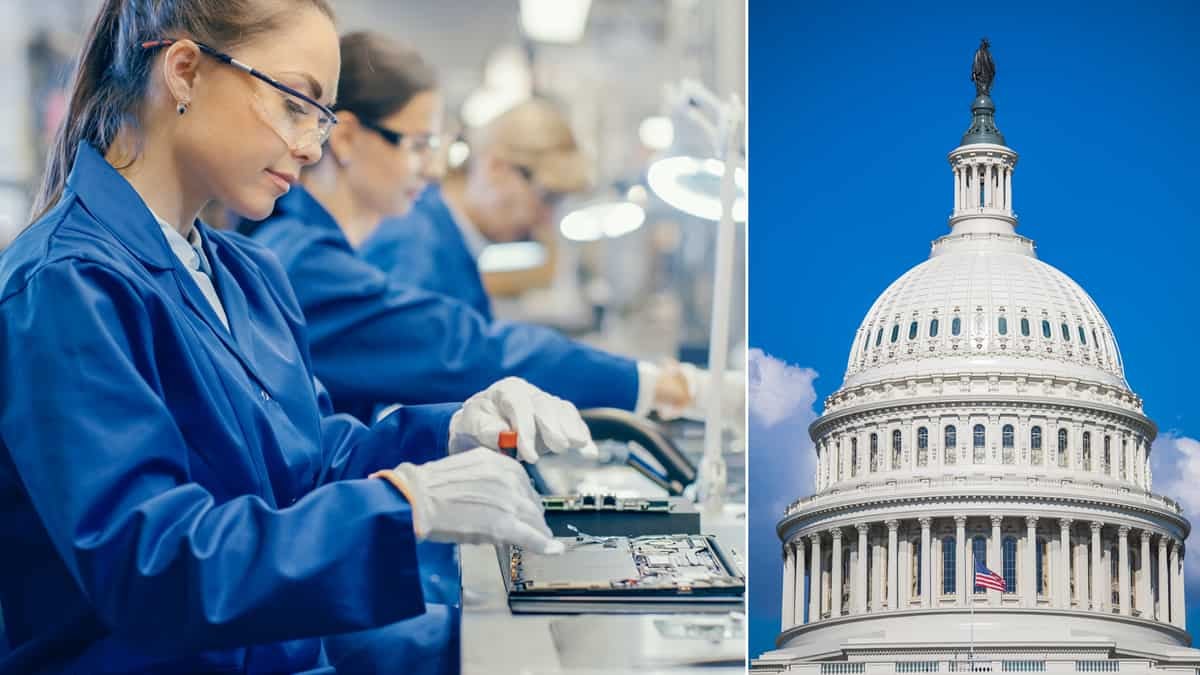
{"x": 110, "y": 79}
{"x": 380, "y": 76}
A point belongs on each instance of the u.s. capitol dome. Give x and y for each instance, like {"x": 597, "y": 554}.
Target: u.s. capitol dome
{"x": 984, "y": 415}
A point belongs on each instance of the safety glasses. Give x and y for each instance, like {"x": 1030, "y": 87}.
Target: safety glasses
{"x": 298, "y": 119}
{"x": 550, "y": 198}
{"x": 415, "y": 143}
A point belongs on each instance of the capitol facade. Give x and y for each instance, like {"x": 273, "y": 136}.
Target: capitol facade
{"x": 984, "y": 416}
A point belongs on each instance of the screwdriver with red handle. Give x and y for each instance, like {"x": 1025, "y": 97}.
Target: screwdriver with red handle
{"x": 507, "y": 444}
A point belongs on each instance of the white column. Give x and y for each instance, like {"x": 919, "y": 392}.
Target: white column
{"x": 995, "y": 562}
{"x": 893, "y": 578}
{"x": 972, "y": 186}
{"x": 1064, "y": 552}
{"x": 876, "y": 572}
{"x": 961, "y": 589}
{"x": 835, "y": 590}
{"x": 1177, "y": 615}
{"x": 993, "y": 181}
{"x": 1029, "y": 591}
{"x": 1008, "y": 188}
{"x": 798, "y": 569}
{"x": 1123, "y": 567}
{"x": 814, "y": 582}
{"x": 1106, "y": 564}
{"x": 1164, "y": 583}
{"x": 860, "y": 576}
{"x": 1079, "y": 553}
{"x": 789, "y": 588}
{"x": 926, "y": 576}
{"x": 1138, "y": 463}
{"x": 1145, "y": 603}
{"x": 1097, "y": 578}
{"x": 956, "y": 182}
{"x": 1182, "y": 587}
{"x": 821, "y": 458}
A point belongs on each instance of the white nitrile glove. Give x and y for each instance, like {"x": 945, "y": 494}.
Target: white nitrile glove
{"x": 475, "y": 497}
{"x": 543, "y": 423}
{"x": 698, "y": 384}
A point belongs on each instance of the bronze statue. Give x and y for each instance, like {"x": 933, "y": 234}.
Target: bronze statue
{"x": 983, "y": 70}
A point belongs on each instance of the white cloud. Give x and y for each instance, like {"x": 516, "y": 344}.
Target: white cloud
{"x": 782, "y": 468}
{"x": 778, "y": 389}
{"x": 1175, "y": 468}
{"x": 782, "y": 399}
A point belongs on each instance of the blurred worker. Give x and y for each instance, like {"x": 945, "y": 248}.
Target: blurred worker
{"x": 375, "y": 341}
{"x": 521, "y": 166}
{"x": 174, "y": 500}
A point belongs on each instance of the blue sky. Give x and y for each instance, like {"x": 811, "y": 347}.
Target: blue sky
{"x": 853, "y": 107}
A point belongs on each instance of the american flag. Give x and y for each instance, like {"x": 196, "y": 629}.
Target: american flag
{"x": 986, "y": 578}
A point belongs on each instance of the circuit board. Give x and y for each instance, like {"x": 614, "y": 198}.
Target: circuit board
{"x": 657, "y": 573}
{"x": 611, "y": 515}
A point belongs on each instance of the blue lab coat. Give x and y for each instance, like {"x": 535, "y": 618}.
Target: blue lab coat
{"x": 426, "y": 249}
{"x": 171, "y": 498}
{"x": 376, "y": 342}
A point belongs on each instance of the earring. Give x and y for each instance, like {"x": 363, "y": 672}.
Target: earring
{"x": 182, "y": 107}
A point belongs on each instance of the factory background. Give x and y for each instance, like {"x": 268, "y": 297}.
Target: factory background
{"x": 644, "y": 289}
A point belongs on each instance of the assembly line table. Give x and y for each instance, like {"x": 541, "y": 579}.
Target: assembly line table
{"x": 497, "y": 642}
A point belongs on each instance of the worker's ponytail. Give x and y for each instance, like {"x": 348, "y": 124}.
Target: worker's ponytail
{"x": 95, "y": 110}
{"x": 111, "y": 76}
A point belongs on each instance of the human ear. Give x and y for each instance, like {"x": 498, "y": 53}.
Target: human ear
{"x": 179, "y": 67}
{"x": 343, "y": 138}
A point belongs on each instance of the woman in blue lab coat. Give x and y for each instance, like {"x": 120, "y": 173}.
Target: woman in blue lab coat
{"x": 375, "y": 342}
{"x": 173, "y": 498}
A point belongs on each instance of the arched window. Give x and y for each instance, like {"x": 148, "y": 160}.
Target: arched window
{"x": 1035, "y": 445}
{"x": 1107, "y": 454}
{"x": 879, "y": 336}
{"x": 1003, "y": 327}
{"x": 980, "y": 444}
{"x": 1062, "y": 447}
{"x": 1087, "y": 451}
{"x": 1024, "y": 326}
{"x": 853, "y": 457}
{"x": 1043, "y": 572}
{"x": 1046, "y": 329}
{"x": 922, "y": 446}
{"x": 1006, "y": 436}
{"x": 1095, "y": 340}
{"x": 1066, "y": 331}
{"x": 837, "y": 460}
{"x": 1010, "y": 564}
{"x": 1124, "y": 451}
{"x": 979, "y": 551}
{"x": 933, "y": 327}
{"x": 895, "y": 332}
{"x": 956, "y": 326}
{"x": 915, "y": 587}
{"x": 912, "y": 331}
{"x": 949, "y": 565}
{"x": 1082, "y": 337}
{"x": 874, "y": 453}
{"x": 896, "y": 449}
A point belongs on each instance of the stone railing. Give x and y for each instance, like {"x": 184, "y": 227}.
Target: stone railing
{"x": 963, "y": 665}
